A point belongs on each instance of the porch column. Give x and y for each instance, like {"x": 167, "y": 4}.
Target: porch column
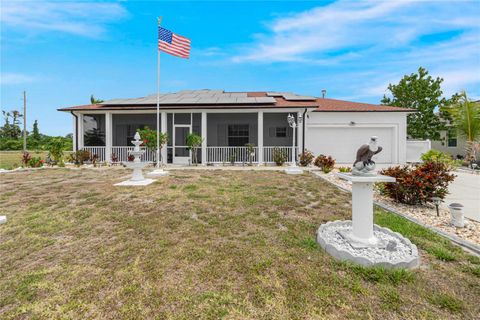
{"x": 204, "y": 137}
{"x": 260, "y": 137}
{"x": 75, "y": 133}
{"x": 299, "y": 134}
{"x": 163, "y": 129}
{"x": 80, "y": 132}
{"x": 108, "y": 136}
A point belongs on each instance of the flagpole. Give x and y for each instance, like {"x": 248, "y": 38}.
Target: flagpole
{"x": 158, "y": 99}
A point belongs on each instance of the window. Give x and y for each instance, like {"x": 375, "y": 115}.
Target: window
{"x": 94, "y": 130}
{"x": 451, "y": 138}
{"x": 280, "y": 132}
{"x": 238, "y": 135}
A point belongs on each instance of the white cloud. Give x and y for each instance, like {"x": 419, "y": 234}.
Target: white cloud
{"x": 458, "y": 80}
{"x": 79, "y": 18}
{"x": 387, "y": 39}
{"x": 346, "y": 26}
{"x": 16, "y": 78}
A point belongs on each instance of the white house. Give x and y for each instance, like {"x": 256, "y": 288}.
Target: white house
{"x": 229, "y": 120}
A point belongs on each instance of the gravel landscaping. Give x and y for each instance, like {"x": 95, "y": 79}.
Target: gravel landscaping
{"x": 424, "y": 213}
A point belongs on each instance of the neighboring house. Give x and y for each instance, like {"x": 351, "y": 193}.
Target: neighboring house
{"x": 450, "y": 142}
{"x": 229, "y": 120}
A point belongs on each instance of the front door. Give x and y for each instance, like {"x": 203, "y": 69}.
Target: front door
{"x": 181, "y": 154}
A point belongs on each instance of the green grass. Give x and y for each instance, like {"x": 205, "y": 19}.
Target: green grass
{"x": 207, "y": 245}
{"x": 431, "y": 242}
{"x": 447, "y": 302}
{"x": 13, "y": 159}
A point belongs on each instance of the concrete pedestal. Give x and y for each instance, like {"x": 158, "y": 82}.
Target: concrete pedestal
{"x": 293, "y": 170}
{"x": 361, "y": 241}
{"x": 144, "y": 182}
{"x": 362, "y": 208}
{"x": 157, "y": 173}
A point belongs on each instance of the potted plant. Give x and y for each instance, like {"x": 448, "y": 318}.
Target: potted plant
{"x": 279, "y": 157}
{"x": 194, "y": 141}
{"x": 251, "y": 152}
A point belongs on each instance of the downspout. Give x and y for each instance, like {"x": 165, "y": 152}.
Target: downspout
{"x": 76, "y": 130}
{"x": 303, "y": 131}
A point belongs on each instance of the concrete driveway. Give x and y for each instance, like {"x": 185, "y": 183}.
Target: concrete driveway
{"x": 465, "y": 189}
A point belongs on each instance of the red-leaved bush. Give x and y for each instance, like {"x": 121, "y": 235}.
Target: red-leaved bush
{"x": 325, "y": 163}
{"x": 418, "y": 184}
{"x": 305, "y": 158}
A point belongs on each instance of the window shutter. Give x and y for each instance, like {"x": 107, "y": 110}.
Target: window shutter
{"x": 222, "y": 135}
{"x": 271, "y": 132}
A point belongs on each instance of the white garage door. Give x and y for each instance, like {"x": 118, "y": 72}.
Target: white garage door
{"x": 342, "y": 143}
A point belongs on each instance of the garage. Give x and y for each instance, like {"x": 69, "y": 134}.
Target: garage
{"x": 341, "y": 134}
{"x": 342, "y": 142}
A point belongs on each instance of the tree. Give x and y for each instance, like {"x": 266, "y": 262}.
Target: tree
{"x": 93, "y": 100}
{"x": 421, "y": 92}
{"x": 36, "y": 133}
{"x": 193, "y": 142}
{"x": 149, "y": 137}
{"x": 465, "y": 117}
{"x": 11, "y": 130}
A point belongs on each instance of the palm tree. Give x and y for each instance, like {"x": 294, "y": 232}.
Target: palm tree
{"x": 465, "y": 117}
{"x": 93, "y": 100}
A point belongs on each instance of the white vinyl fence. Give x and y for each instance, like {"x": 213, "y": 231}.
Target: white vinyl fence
{"x": 415, "y": 149}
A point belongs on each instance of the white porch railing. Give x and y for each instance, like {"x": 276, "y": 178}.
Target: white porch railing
{"x": 120, "y": 154}
{"x": 214, "y": 154}
{"x": 98, "y": 151}
{"x": 231, "y": 154}
{"x": 268, "y": 153}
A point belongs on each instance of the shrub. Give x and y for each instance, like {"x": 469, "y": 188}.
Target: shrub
{"x": 26, "y": 157}
{"x": 279, "y": 157}
{"x": 79, "y": 156}
{"x": 55, "y": 149}
{"x": 36, "y": 162}
{"x": 149, "y": 137}
{"x": 325, "y": 163}
{"x": 418, "y": 184}
{"x": 438, "y": 156}
{"x": 345, "y": 169}
{"x": 305, "y": 158}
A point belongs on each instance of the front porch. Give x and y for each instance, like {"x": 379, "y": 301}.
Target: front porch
{"x": 237, "y": 137}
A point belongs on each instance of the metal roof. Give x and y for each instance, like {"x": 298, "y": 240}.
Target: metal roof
{"x": 195, "y": 97}
{"x": 291, "y": 96}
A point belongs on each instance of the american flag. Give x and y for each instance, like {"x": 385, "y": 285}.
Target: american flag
{"x": 172, "y": 43}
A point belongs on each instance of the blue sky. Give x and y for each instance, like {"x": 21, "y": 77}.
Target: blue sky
{"x": 62, "y": 52}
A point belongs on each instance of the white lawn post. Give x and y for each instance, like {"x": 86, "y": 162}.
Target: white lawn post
{"x": 159, "y": 172}
{"x": 293, "y": 169}
{"x": 204, "y": 137}
{"x": 362, "y": 208}
{"x": 108, "y": 137}
{"x": 260, "y": 138}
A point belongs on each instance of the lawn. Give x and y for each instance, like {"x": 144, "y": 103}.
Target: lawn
{"x": 206, "y": 245}
{"x": 13, "y": 159}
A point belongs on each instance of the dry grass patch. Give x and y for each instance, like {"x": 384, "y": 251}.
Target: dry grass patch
{"x": 208, "y": 245}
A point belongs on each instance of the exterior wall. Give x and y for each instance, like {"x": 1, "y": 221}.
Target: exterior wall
{"x": 442, "y": 145}
{"x": 354, "y": 129}
{"x": 270, "y": 122}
